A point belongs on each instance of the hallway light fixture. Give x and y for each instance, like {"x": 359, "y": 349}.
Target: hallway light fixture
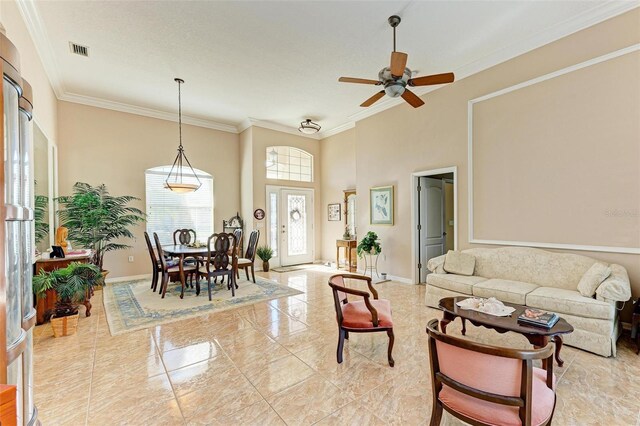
{"x": 175, "y": 180}
{"x": 308, "y": 127}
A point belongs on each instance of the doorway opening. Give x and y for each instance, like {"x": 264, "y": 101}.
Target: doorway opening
{"x": 290, "y": 225}
{"x": 435, "y": 217}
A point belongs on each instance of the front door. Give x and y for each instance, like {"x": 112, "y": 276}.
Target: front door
{"x": 294, "y": 210}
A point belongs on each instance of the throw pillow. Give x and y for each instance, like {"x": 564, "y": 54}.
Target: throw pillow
{"x": 459, "y": 263}
{"x": 592, "y": 279}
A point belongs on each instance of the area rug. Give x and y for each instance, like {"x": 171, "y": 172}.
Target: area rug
{"x": 132, "y": 305}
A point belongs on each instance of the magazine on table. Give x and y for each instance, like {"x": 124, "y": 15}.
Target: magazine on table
{"x": 538, "y": 318}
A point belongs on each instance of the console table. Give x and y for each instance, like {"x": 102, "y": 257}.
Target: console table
{"x": 349, "y": 246}
{"x": 44, "y": 264}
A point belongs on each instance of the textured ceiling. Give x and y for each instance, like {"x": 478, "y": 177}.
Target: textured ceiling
{"x": 280, "y": 61}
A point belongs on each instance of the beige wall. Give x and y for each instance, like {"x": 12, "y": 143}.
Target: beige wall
{"x": 102, "y": 146}
{"x": 391, "y": 145}
{"x": 45, "y": 102}
{"x": 337, "y": 159}
{"x": 261, "y": 139}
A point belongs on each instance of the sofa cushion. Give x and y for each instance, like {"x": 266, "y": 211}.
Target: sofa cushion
{"x": 504, "y": 290}
{"x": 436, "y": 264}
{"x": 593, "y": 278}
{"x": 459, "y": 263}
{"x": 571, "y": 302}
{"x": 458, "y": 283}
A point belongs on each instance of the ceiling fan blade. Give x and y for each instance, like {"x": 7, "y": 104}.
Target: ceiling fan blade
{"x": 358, "y": 80}
{"x": 429, "y": 80}
{"x": 412, "y": 99}
{"x": 398, "y": 63}
{"x": 372, "y": 100}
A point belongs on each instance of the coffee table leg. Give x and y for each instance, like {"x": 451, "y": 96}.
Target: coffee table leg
{"x": 558, "y": 341}
{"x": 446, "y": 319}
{"x": 464, "y": 326}
{"x": 538, "y": 342}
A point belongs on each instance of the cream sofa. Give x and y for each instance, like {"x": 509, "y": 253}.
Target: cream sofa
{"x": 544, "y": 280}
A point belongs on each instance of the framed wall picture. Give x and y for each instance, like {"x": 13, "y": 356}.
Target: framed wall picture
{"x": 381, "y": 205}
{"x": 258, "y": 214}
{"x": 335, "y": 212}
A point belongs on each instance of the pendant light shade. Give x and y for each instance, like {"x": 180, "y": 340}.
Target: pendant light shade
{"x": 181, "y": 167}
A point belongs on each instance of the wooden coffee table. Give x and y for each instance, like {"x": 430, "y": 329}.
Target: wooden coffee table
{"x": 538, "y": 336}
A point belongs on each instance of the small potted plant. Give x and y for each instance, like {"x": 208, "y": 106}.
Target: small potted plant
{"x": 265, "y": 253}
{"x": 71, "y": 285}
{"x": 369, "y": 245}
{"x": 347, "y": 234}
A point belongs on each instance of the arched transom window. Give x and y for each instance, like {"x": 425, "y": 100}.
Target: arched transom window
{"x": 289, "y": 163}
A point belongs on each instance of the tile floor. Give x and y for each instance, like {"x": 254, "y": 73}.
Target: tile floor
{"x": 274, "y": 363}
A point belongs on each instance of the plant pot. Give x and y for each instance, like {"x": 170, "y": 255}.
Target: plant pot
{"x": 265, "y": 266}
{"x": 104, "y": 277}
{"x": 65, "y": 326}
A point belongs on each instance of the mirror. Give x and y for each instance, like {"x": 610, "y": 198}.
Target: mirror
{"x": 350, "y": 211}
{"x": 42, "y": 186}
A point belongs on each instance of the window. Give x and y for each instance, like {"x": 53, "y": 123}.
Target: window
{"x": 288, "y": 163}
{"x": 168, "y": 210}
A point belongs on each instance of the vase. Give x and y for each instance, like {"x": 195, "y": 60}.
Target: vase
{"x": 65, "y": 326}
{"x": 265, "y": 266}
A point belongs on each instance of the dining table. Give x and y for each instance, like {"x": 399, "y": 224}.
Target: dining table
{"x": 183, "y": 252}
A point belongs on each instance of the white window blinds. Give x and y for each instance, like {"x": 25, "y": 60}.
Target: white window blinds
{"x": 168, "y": 210}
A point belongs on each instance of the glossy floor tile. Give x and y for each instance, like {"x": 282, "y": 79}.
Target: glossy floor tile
{"x": 274, "y": 363}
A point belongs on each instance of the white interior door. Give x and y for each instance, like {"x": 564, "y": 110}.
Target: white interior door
{"x": 296, "y": 226}
{"x": 432, "y": 212}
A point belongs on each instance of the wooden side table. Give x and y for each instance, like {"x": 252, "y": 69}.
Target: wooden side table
{"x": 635, "y": 325}
{"x": 49, "y": 301}
{"x": 349, "y": 246}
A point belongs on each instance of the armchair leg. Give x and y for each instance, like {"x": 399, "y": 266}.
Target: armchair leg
{"x": 340, "y": 345}
{"x": 391, "y": 339}
{"x": 436, "y": 414}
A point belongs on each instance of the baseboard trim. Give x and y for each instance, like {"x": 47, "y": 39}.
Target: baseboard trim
{"x": 127, "y": 278}
{"x": 390, "y": 277}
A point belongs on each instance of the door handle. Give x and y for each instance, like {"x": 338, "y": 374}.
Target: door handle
{"x": 444, "y": 233}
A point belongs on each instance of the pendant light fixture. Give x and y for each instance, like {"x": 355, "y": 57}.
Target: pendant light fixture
{"x": 176, "y": 179}
{"x": 308, "y": 127}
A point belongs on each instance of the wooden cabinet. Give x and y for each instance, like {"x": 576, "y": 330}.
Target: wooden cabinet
{"x": 48, "y": 302}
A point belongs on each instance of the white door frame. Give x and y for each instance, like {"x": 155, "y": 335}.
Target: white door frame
{"x": 276, "y": 261}
{"x": 414, "y": 214}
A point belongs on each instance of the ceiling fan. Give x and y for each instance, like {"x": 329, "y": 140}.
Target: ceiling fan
{"x": 396, "y": 77}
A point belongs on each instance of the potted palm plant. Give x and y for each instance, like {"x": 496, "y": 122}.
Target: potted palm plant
{"x": 369, "y": 245}
{"x": 96, "y": 219}
{"x": 265, "y": 253}
{"x": 71, "y": 285}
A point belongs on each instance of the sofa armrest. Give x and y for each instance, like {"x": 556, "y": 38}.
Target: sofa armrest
{"x": 616, "y": 287}
{"x": 436, "y": 264}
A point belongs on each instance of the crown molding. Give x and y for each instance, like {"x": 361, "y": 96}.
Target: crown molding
{"x": 591, "y": 17}
{"x": 38, "y": 34}
{"x": 338, "y": 129}
{"x": 147, "y": 112}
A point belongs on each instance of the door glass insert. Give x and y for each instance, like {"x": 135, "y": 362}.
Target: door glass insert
{"x": 297, "y": 219}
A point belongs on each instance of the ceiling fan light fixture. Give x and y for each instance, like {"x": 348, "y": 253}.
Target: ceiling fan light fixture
{"x": 308, "y": 127}
{"x": 394, "y": 89}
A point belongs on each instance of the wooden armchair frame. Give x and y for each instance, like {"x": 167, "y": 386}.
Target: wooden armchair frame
{"x": 523, "y": 401}
{"x": 343, "y": 300}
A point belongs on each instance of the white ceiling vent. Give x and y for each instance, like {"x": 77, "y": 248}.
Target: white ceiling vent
{"x": 78, "y": 49}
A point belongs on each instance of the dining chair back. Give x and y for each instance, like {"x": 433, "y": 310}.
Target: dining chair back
{"x": 362, "y": 315}
{"x": 184, "y": 236}
{"x": 155, "y": 264}
{"x": 489, "y": 385}
{"x": 249, "y": 258}
{"x": 221, "y": 260}
{"x": 169, "y": 268}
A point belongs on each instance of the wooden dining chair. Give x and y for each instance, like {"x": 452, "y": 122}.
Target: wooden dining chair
{"x": 360, "y": 316}
{"x": 155, "y": 263}
{"x": 219, "y": 263}
{"x": 239, "y": 235}
{"x": 249, "y": 258}
{"x": 489, "y": 385}
{"x": 169, "y": 269}
{"x": 184, "y": 236}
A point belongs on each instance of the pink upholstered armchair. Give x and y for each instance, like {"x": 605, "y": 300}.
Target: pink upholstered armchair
{"x": 365, "y": 315}
{"x": 489, "y": 385}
